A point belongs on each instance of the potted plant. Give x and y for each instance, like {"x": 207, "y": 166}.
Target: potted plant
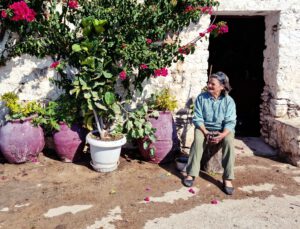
{"x": 20, "y": 140}
{"x": 100, "y": 46}
{"x": 62, "y": 121}
{"x": 155, "y": 130}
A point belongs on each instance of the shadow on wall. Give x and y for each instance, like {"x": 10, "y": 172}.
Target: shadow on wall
{"x": 184, "y": 125}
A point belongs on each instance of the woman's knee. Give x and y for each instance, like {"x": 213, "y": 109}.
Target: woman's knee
{"x": 228, "y": 140}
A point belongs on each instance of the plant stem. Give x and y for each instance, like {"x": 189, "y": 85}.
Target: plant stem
{"x": 99, "y": 127}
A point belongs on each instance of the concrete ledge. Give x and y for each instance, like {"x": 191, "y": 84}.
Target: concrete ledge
{"x": 287, "y": 134}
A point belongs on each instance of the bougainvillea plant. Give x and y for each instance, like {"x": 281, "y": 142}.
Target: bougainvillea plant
{"x": 99, "y": 44}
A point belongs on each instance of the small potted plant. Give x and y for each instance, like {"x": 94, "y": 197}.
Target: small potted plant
{"x": 62, "y": 121}
{"x": 154, "y": 127}
{"x": 20, "y": 140}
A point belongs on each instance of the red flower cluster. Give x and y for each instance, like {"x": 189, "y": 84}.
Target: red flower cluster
{"x": 161, "y": 72}
{"x": 122, "y": 75}
{"x": 143, "y": 66}
{"x": 186, "y": 49}
{"x": 223, "y": 29}
{"x": 205, "y": 9}
{"x": 219, "y": 28}
{"x": 211, "y": 28}
{"x": 149, "y": 41}
{"x": 3, "y": 14}
{"x": 22, "y": 12}
{"x": 73, "y": 4}
{"x": 54, "y": 64}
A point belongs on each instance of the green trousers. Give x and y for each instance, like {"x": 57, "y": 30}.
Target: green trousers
{"x": 198, "y": 147}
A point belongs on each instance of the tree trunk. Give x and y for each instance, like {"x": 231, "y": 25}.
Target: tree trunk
{"x": 212, "y": 159}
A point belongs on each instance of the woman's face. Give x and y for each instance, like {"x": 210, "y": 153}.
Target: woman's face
{"x": 214, "y": 86}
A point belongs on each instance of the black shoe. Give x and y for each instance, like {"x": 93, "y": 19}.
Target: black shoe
{"x": 187, "y": 182}
{"x": 228, "y": 190}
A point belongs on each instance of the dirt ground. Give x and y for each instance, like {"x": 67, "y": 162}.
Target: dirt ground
{"x": 53, "y": 194}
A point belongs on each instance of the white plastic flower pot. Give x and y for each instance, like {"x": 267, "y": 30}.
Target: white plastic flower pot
{"x": 105, "y": 154}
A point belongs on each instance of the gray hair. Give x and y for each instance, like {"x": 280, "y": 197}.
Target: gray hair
{"x": 223, "y": 79}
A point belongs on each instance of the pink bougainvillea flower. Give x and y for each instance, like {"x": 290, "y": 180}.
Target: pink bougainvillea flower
{"x": 164, "y": 71}
{"x": 191, "y": 191}
{"x": 211, "y": 28}
{"x": 214, "y": 201}
{"x": 73, "y": 4}
{"x": 223, "y": 29}
{"x": 160, "y": 72}
{"x": 201, "y": 34}
{"x": 21, "y": 11}
{"x": 122, "y": 75}
{"x": 143, "y": 66}
{"x": 54, "y": 64}
{"x": 147, "y": 199}
{"x": 182, "y": 50}
{"x": 149, "y": 41}
{"x": 148, "y": 189}
{"x": 3, "y": 14}
{"x": 206, "y": 9}
{"x": 189, "y": 9}
{"x": 157, "y": 72}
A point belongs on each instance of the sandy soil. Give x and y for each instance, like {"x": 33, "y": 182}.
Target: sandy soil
{"x": 53, "y": 194}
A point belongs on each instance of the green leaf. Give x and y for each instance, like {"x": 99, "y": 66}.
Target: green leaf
{"x": 100, "y": 106}
{"x": 109, "y": 98}
{"x": 116, "y": 108}
{"x": 152, "y": 152}
{"x": 107, "y": 74}
{"x": 129, "y": 125}
{"x": 76, "y": 48}
{"x": 87, "y": 95}
{"x": 145, "y": 145}
{"x": 155, "y": 114}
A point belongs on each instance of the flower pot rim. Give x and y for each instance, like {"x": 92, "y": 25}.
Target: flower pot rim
{"x": 108, "y": 144}
{"x": 19, "y": 120}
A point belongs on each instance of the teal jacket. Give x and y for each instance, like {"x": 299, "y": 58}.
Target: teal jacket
{"x": 215, "y": 114}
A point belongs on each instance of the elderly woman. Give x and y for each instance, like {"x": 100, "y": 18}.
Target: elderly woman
{"x": 214, "y": 120}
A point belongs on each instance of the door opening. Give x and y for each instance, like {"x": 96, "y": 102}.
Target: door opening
{"x": 239, "y": 54}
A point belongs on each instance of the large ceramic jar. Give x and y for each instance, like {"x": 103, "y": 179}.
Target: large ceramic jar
{"x": 69, "y": 142}
{"x": 21, "y": 141}
{"x": 165, "y": 138}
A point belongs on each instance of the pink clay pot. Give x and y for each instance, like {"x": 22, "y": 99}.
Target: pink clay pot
{"x": 20, "y": 141}
{"x": 69, "y": 142}
{"x": 164, "y": 134}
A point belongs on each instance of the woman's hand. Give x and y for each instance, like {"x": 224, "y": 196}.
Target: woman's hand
{"x": 218, "y": 138}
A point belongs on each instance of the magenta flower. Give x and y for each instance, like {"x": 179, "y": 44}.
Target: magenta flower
{"x": 54, "y": 64}
{"x": 149, "y": 41}
{"x": 3, "y": 14}
{"x": 22, "y": 12}
{"x": 73, "y": 4}
{"x": 189, "y": 9}
{"x": 161, "y": 72}
{"x": 223, "y": 29}
{"x": 147, "y": 199}
{"x": 157, "y": 72}
{"x": 201, "y": 34}
{"x": 191, "y": 191}
{"x": 164, "y": 71}
{"x": 206, "y": 9}
{"x": 143, "y": 66}
{"x": 214, "y": 201}
{"x": 122, "y": 75}
{"x": 211, "y": 28}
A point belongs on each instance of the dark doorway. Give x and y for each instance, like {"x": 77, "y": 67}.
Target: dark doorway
{"x": 239, "y": 53}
